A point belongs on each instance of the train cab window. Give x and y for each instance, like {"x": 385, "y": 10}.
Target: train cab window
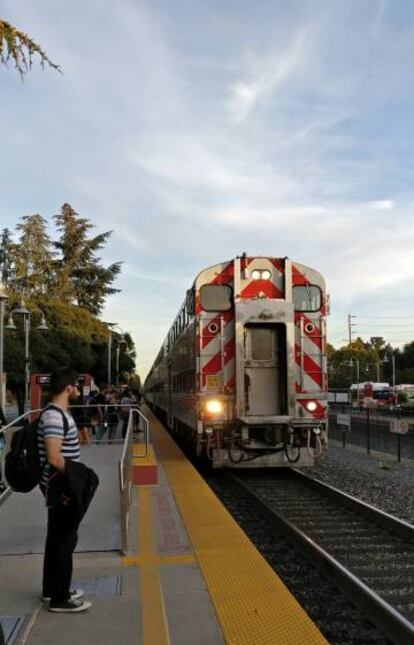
{"x": 215, "y": 297}
{"x": 307, "y": 297}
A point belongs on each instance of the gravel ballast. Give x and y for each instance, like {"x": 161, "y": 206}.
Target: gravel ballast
{"x": 376, "y": 479}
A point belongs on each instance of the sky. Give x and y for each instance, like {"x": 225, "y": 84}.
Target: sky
{"x": 200, "y": 129}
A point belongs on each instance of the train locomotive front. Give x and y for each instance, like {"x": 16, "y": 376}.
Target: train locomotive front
{"x": 242, "y": 373}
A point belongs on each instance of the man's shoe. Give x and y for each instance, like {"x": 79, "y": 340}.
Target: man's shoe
{"x": 70, "y": 606}
{"x": 75, "y": 594}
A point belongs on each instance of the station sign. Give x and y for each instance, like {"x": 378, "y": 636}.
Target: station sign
{"x": 344, "y": 421}
{"x": 43, "y": 379}
{"x": 398, "y": 426}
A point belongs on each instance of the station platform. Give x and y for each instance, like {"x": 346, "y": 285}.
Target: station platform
{"x": 190, "y": 577}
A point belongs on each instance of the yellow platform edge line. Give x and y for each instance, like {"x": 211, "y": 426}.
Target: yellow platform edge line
{"x": 154, "y": 620}
{"x": 139, "y": 449}
{"x": 139, "y": 458}
{"x": 253, "y": 605}
{"x": 140, "y": 560}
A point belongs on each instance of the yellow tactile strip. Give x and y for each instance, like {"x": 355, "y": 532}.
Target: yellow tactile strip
{"x": 253, "y": 606}
{"x": 139, "y": 458}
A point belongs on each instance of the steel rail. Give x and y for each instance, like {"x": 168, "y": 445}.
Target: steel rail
{"x": 396, "y": 627}
{"x": 393, "y": 524}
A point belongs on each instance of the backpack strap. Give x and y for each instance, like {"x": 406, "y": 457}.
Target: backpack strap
{"x": 50, "y": 406}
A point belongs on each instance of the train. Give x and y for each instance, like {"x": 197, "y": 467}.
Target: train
{"x": 241, "y": 376}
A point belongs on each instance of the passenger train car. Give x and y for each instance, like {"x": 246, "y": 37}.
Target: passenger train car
{"x": 242, "y": 373}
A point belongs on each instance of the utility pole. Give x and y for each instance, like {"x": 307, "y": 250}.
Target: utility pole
{"x": 350, "y": 325}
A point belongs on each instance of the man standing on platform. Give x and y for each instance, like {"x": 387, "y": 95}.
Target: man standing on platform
{"x": 59, "y": 445}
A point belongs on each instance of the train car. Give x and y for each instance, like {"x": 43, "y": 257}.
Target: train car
{"x": 242, "y": 373}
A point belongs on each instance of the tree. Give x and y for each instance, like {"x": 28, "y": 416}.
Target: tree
{"x": 5, "y": 256}
{"x": 33, "y": 257}
{"x": 17, "y": 46}
{"x": 80, "y": 276}
{"x": 74, "y": 338}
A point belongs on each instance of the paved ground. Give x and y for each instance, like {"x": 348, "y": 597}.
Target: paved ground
{"x": 23, "y": 516}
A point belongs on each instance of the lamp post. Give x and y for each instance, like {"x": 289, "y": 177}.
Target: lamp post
{"x": 121, "y": 341}
{"x": 351, "y": 364}
{"x": 110, "y": 326}
{"x": 386, "y": 360}
{"x": 3, "y": 299}
{"x": 22, "y": 310}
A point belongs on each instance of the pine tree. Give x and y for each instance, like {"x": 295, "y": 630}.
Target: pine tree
{"x": 17, "y": 46}
{"x": 33, "y": 258}
{"x": 6, "y": 246}
{"x": 81, "y": 278}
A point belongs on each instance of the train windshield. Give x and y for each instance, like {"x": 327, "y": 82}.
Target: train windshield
{"x": 215, "y": 297}
{"x": 307, "y": 297}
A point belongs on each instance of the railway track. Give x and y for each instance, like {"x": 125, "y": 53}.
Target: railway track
{"x": 368, "y": 554}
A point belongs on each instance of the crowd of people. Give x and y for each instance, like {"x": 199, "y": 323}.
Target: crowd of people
{"x": 103, "y": 414}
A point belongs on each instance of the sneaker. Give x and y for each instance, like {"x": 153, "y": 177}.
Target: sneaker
{"x": 75, "y": 594}
{"x": 70, "y": 606}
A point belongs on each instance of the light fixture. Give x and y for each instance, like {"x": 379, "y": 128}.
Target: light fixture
{"x": 311, "y": 406}
{"x": 22, "y": 309}
{"x": 214, "y": 406}
{"x": 261, "y": 274}
{"x": 43, "y": 326}
{"x": 10, "y": 324}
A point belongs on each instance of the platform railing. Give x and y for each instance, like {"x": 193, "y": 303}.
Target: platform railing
{"x": 125, "y": 470}
{"x": 136, "y": 419}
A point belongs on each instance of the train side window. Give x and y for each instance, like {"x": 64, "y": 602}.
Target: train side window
{"x": 307, "y": 297}
{"x": 215, "y": 297}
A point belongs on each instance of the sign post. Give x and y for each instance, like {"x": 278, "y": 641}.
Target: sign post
{"x": 398, "y": 427}
{"x": 343, "y": 422}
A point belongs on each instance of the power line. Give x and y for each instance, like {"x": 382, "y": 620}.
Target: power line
{"x": 388, "y": 327}
{"x": 386, "y": 317}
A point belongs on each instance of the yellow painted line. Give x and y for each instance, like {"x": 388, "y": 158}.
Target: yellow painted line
{"x": 252, "y": 604}
{"x": 154, "y": 620}
{"x": 139, "y": 560}
{"x": 139, "y": 458}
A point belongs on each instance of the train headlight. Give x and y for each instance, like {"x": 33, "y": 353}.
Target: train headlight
{"x": 311, "y": 406}
{"x": 214, "y": 406}
{"x": 266, "y": 275}
{"x": 256, "y": 275}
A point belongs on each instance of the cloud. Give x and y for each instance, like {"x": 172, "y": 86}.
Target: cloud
{"x": 268, "y": 75}
{"x": 379, "y": 17}
{"x": 284, "y": 131}
{"x": 382, "y": 205}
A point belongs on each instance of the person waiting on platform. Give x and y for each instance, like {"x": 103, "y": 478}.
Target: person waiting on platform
{"x": 112, "y": 414}
{"x": 68, "y": 487}
{"x": 127, "y": 401}
{"x": 97, "y": 405}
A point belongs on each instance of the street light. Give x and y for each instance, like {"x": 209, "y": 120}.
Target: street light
{"x": 121, "y": 341}
{"x": 110, "y": 325}
{"x": 22, "y": 310}
{"x": 3, "y": 299}
{"x": 387, "y": 360}
{"x": 351, "y": 364}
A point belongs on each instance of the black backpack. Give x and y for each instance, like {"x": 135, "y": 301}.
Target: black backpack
{"x": 22, "y": 464}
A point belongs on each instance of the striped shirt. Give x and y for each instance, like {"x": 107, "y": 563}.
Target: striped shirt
{"x": 51, "y": 425}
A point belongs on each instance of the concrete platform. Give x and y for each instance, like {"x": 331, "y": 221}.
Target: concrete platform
{"x": 23, "y": 517}
{"x": 191, "y": 576}
{"x": 160, "y": 564}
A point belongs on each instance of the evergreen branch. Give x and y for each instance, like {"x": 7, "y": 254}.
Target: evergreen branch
{"x": 20, "y": 48}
